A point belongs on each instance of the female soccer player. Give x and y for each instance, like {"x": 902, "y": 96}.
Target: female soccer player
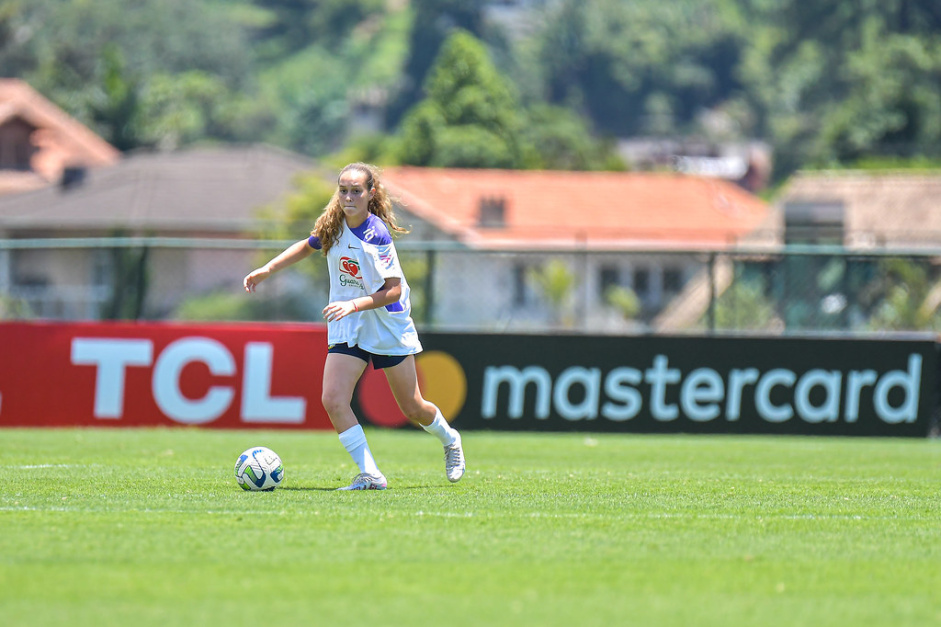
{"x": 368, "y": 317}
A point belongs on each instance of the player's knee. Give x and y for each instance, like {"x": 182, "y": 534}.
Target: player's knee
{"x": 417, "y": 411}
{"x": 334, "y": 403}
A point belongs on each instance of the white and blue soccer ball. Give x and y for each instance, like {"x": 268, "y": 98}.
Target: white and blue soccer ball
{"x": 259, "y": 469}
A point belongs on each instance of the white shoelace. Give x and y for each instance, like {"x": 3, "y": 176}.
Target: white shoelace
{"x": 453, "y": 456}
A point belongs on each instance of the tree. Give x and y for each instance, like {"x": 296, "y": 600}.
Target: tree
{"x": 555, "y": 281}
{"x": 97, "y": 59}
{"x": 624, "y": 300}
{"x": 835, "y": 80}
{"x": 470, "y": 117}
{"x": 557, "y": 138}
{"x": 643, "y": 67}
{"x": 910, "y": 298}
{"x": 433, "y": 22}
{"x": 283, "y": 28}
{"x": 185, "y": 108}
{"x": 130, "y": 283}
{"x": 115, "y": 107}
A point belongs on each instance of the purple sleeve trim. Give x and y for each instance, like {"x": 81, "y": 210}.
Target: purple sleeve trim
{"x": 314, "y": 242}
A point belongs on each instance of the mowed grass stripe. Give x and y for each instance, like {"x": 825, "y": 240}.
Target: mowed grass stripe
{"x": 147, "y": 527}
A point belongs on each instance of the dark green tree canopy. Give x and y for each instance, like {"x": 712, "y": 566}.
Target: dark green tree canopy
{"x": 470, "y": 117}
{"x": 825, "y": 83}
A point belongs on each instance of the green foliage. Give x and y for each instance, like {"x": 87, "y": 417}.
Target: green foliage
{"x": 432, "y": 22}
{"x": 367, "y": 148}
{"x": 911, "y": 298}
{"x": 556, "y": 282}
{"x": 14, "y": 309}
{"x": 624, "y": 300}
{"x": 286, "y": 27}
{"x": 228, "y": 306}
{"x": 885, "y": 164}
{"x": 130, "y": 282}
{"x": 639, "y": 67}
{"x": 181, "y": 109}
{"x": 828, "y": 85}
{"x": 470, "y": 117}
{"x": 557, "y": 138}
{"x": 315, "y": 89}
{"x": 300, "y": 210}
{"x": 98, "y": 60}
{"x": 744, "y": 306}
{"x": 309, "y": 89}
{"x": 116, "y": 106}
{"x": 835, "y": 82}
{"x": 294, "y": 219}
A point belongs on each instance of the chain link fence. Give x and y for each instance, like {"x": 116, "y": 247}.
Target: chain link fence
{"x": 791, "y": 289}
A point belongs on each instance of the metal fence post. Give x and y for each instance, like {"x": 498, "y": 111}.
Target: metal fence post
{"x": 712, "y": 293}
{"x": 431, "y": 257}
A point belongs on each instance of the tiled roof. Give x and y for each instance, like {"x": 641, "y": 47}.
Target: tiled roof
{"x": 879, "y": 209}
{"x": 575, "y": 209}
{"x": 210, "y": 190}
{"x": 61, "y": 140}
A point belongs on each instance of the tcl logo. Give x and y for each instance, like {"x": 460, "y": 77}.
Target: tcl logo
{"x": 349, "y": 266}
{"x": 112, "y": 357}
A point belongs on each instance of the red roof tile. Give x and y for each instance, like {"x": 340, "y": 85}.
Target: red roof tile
{"x": 579, "y": 208}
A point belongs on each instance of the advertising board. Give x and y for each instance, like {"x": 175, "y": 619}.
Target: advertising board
{"x": 269, "y": 376}
{"x": 127, "y": 374}
{"x": 680, "y": 384}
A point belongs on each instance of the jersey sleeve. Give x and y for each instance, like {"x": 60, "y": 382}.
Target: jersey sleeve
{"x": 386, "y": 261}
{"x": 314, "y": 242}
{"x": 378, "y": 245}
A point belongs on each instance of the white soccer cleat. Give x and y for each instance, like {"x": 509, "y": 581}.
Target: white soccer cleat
{"x": 454, "y": 460}
{"x": 366, "y": 481}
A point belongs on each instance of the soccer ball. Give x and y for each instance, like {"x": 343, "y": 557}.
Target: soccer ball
{"x": 259, "y": 468}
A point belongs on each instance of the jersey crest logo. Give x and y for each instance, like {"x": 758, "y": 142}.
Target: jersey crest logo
{"x": 350, "y": 266}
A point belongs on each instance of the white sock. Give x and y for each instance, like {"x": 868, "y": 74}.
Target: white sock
{"x": 354, "y": 441}
{"x": 440, "y": 428}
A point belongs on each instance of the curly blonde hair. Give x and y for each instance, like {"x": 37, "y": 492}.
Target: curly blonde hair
{"x": 329, "y": 225}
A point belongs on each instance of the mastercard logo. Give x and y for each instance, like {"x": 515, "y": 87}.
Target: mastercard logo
{"x": 440, "y": 377}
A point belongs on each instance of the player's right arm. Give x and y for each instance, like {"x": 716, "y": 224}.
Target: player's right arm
{"x": 291, "y": 255}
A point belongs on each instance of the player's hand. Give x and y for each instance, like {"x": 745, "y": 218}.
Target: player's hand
{"x": 254, "y": 278}
{"x": 338, "y": 310}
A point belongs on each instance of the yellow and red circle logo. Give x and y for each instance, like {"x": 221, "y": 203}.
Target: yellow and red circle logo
{"x": 440, "y": 377}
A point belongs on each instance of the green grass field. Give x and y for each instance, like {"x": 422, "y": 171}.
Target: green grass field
{"x": 148, "y": 527}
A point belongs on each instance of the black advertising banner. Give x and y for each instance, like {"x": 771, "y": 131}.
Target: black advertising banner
{"x": 655, "y": 384}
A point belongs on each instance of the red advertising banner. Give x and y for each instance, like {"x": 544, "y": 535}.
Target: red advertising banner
{"x": 150, "y": 374}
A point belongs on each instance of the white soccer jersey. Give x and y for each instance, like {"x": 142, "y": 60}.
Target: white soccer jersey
{"x": 359, "y": 263}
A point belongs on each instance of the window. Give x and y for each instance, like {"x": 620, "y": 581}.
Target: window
{"x": 672, "y": 280}
{"x": 642, "y": 282}
{"x": 608, "y": 277}
{"x": 15, "y": 147}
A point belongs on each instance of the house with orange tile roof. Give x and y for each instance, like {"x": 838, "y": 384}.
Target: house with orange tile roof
{"x": 40, "y": 144}
{"x": 646, "y": 232}
{"x": 493, "y": 209}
